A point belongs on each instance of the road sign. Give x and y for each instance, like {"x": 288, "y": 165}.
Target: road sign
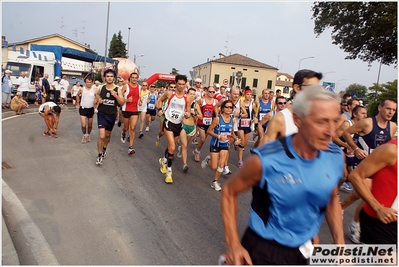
{"x": 329, "y": 86}
{"x": 225, "y": 81}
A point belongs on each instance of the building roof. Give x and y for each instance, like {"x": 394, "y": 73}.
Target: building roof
{"x": 283, "y": 83}
{"x": 285, "y": 74}
{"x": 85, "y": 46}
{"x": 237, "y": 59}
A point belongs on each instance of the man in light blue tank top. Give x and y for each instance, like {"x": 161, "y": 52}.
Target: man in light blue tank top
{"x": 295, "y": 183}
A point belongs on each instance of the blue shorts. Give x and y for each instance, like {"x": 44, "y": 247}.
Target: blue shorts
{"x": 203, "y": 127}
{"x": 105, "y": 120}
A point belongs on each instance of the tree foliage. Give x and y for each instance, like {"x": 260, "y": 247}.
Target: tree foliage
{"x": 365, "y": 30}
{"x": 377, "y": 93}
{"x": 174, "y": 71}
{"x": 117, "y": 47}
{"x": 358, "y": 89}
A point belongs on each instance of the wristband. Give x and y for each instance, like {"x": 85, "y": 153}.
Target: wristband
{"x": 356, "y": 149}
{"x": 219, "y": 136}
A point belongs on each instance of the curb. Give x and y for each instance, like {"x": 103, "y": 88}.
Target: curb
{"x": 32, "y": 109}
{"x": 9, "y": 254}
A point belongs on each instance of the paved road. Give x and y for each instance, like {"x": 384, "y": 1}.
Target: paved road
{"x": 119, "y": 213}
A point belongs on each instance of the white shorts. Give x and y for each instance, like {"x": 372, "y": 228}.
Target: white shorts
{"x": 63, "y": 93}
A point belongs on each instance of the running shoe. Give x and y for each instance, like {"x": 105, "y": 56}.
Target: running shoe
{"x": 119, "y": 123}
{"x": 88, "y": 138}
{"x": 239, "y": 164}
{"x": 179, "y": 152}
{"x": 162, "y": 165}
{"x": 347, "y": 186}
{"x": 205, "y": 162}
{"x": 185, "y": 168}
{"x": 141, "y": 135}
{"x": 158, "y": 142}
{"x": 46, "y": 134}
{"x": 84, "y": 139}
{"x": 194, "y": 142}
{"x": 147, "y": 129}
{"x": 354, "y": 232}
{"x": 99, "y": 160}
{"x": 168, "y": 178}
{"x": 197, "y": 156}
{"x": 216, "y": 185}
{"x": 54, "y": 135}
{"x": 131, "y": 150}
{"x": 123, "y": 137}
{"x": 226, "y": 170}
{"x": 103, "y": 154}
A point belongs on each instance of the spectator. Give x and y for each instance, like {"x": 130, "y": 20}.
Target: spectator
{"x": 23, "y": 84}
{"x": 38, "y": 91}
{"x": 18, "y": 104}
{"x": 6, "y": 86}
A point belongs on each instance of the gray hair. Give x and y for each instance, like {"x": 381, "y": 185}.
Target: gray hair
{"x": 304, "y": 99}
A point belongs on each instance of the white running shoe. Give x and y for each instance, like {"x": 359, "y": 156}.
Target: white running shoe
{"x": 147, "y": 129}
{"x": 226, "y": 170}
{"x": 179, "y": 152}
{"x": 205, "y": 162}
{"x": 354, "y": 232}
{"x": 215, "y": 185}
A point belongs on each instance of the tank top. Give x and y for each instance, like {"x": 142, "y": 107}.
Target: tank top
{"x": 384, "y": 186}
{"x": 290, "y": 127}
{"x": 223, "y": 128}
{"x": 376, "y": 137}
{"x": 87, "y": 99}
{"x": 151, "y": 104}
{"x": 50, "y": 104}
{"x": 263, "y": 109}
{"x": 134, "y": 93}
{"x": 246, "y": 122}
{"x": 143, "y": 97}
{"x": 207, "y": 112}
{"x": 176, "y": 109}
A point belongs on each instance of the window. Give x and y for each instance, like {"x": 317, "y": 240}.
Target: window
{"x": 269, "y": 84}
{"x": 233, "y": 68}
{"x": 231, "y": 80}
{"x": 243, "y": 82}
{"x": 244, "y": 69}
{"x": 256, "y": 71}
{"x": 216, "y": 79}
{"x": 255, "y": 83}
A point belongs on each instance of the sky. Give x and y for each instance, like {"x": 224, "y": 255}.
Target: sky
{"x": 182, "y": 35}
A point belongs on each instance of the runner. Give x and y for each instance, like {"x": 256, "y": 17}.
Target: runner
{"x": 199, "y": 95}
{"x": 175, "y": 112}
{"x": 85, "y": 103}
{"x": 143, "y": 106}
{"x": 151, "y": 108}
{"x": 189, "y": 128}
{"x": 108, "y": 98}
{"x": 161, "y": 113}
{"x": 47, "y": 110}
{"x": 221, "y": 131}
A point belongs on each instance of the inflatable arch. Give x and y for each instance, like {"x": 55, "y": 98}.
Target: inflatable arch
{"x": 162, "y": 77}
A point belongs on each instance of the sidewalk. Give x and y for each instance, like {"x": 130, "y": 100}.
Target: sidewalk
{"x": 32, "y": 109}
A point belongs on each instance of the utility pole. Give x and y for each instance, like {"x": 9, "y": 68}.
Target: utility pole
{"x": 106, "y": 38}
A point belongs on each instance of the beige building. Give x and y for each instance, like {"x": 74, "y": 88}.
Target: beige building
{"x": 225, "y": 69}
{"x": 284, "y": 83}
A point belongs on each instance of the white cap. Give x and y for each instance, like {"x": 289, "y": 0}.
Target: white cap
{"x": 198, "y": 80}
{"x": 228, "y": 89}
{"x": 8, "y": 71}
{"x": 57, "y": 78}
{"x": 217, "y": 85}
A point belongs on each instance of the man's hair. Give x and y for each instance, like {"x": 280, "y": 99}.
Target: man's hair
{"x": 346, "y": 96}
{"x": 181, "y": 77}
{"x": 305, "y": 98}
{"x": 88, "y": 78}
{"x": 356, "y": 110}
{"x": 350, "y": 101}
{"x": 382, "y": 103}
{"x": 278, "y": 91}
{"x": 57, "y": 109}
{"x": 109, "y": 71}
{"x": 302, "y": 74}
{"x": 280, "y": 97}
{"x": 191, "y": 89}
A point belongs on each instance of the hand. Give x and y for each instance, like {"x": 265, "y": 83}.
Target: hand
{"x": 387, "y": 215}
{"x": 237, "y": 141}
{"x": 255, "y": 120}
{"x": 130, "y": 99}
{"x": 360, "y": 153}
{"x": 238, "y": 255}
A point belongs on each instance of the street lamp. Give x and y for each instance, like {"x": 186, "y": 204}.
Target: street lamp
{"x": 324, "y": 76}
{"x": 299, "y": 66}
{"x": 336, "y": 87}
{"x": 128, "y": 42}
{"x": 134, "y": 58}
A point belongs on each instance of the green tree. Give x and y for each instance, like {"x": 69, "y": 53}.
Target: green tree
{"x": 365, "y": 30}
{"x": 98, "y": 77}
{"x": 174, "y": 71}
{"x": 377, "y": 93}
{"x": 117, "y": 47}
{"x": 358, "y": 89}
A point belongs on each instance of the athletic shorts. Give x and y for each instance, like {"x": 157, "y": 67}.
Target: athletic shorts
{"x": 203, "y": 127}
{"x": 86, "y": 112}
{"x": 350, "y": 161}
{"x": 373, "y": 231}
{"x": 189, "y": 129}
{"x": 216, "y": 149}
{"x": 269, "y": 252}
{"x": 152, "y": 112}
{"x": 246, "y": 130}
{"x": 74, "y": 97}
{"x": 128, "y": 114}
{"x": 175, "y": 128}
{"x": 105, "y": 120}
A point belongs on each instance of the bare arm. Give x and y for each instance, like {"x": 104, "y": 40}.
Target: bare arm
{"x": 199, "y": 112}
{"x": 361, "y": 128}
{"x": 249, "y": 175}
{"x": 384, "y": 155}
{"x": 119, "y": 97}
{"x": 274, "y": 129}
{"x": 336, "y": 139}
{"x": 334, "y": 218}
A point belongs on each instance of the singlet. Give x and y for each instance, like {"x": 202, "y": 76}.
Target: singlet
{"x": 246, "y": 122}
{"x": 347, "y": 115}
{"x": 376, "y": 137}
{"x": 175, "y": 109}
{"x": 50, "y": 104}
{"x": 236, "y": 107}
{"x": 87, "y": 99}
{"x": 384, "y": 186}
{"x": 134, "y": 93}
{"x": 290, "y": 127}
{"x": 290, "y": 201}
{"x": 143, "y": 96}
{"x": 207, "y": 112}
{"x": 109, "y": 103}
{"x": 223, "y": 128}
{"x": 263, "y": 110}
{"x": 75, "y": 90}
{"x": 153, "y": 99}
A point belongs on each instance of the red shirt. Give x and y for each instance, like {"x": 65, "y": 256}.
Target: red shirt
{"x": 384, "y": 186}
{"x": 134, "y": 93}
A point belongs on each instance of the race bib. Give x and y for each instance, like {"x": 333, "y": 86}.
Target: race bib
{"x": 261, "y": 115}
{"x": 227, "y": 135}
{"x": 176, "y": 114}
{"x": 151, "y": 106}
{"x": 245, "y": 122}
{"x": 207, "y": 121}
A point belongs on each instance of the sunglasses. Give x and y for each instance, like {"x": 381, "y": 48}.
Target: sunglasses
{"x": 281, "y": 103}
{"x": 212, "y": 92}
{"x": 145, "y": 85}
{"x": 228, "y": 107}
{"x": 172, "y": 87}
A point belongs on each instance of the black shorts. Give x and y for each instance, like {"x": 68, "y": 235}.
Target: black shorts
{"x": 128, "y": 114}
{"x": 373, "y": 231}
{"x": 246, "y": 130}
{"x": 216, "y": 149}
{"x": 269, "y": 252}
{"x": 203, "y": 127}
{"x": 74, "y": 97}
{"x": 350, "y": 161}
{"x": 105, "y": 120}
{"x": 175, "y": 128}
{"x": 86, "y": 112}
{"x": 152, "y": 112}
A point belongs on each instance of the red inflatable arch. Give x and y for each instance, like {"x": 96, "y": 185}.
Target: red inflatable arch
{"x": 162, "y": 77}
